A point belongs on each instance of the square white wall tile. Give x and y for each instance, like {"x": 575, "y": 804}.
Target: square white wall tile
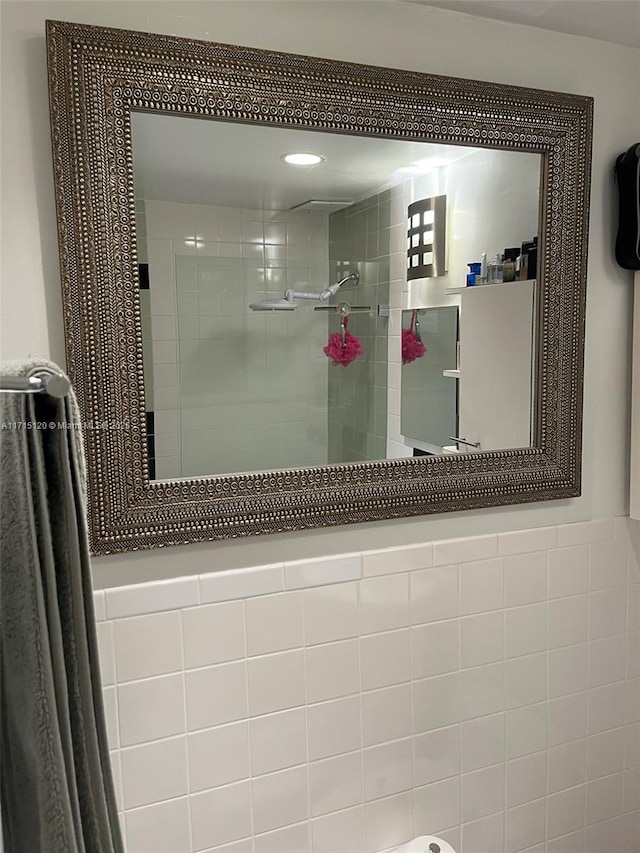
{"x": 485, "y": 835}
{"x": 436, "y": 806}
{"x": 483, "y": 792}
{"x": 606, "y": 707}
{"x": 116, "y": 773}
{"x": 151, "y": 709}
{"x": 604, "y": 798}
{"x": 568, "y": 571}
{"x": 526, "y": 779}
{"x": 218, "y": 756}
{"x": 436, "y": 755}
{"x": 567, "y": 670}
{"x": 276, "y": 682}
{"x": 332, "y": 670}
{"x": 481, "y": 691}
{"x": 330, "y": 613}
{"x": 525, "y": 680}
{"x": 221, "y": 815}
{"x": 163, "y": 828}
{"x": 608, "y": 564}
{"x": 386, "y": 714}
{"x": 599, "y": 836}
{"x": 387, "y": 769}
{"x": 605, "y": 753}
{"x": 525, "y": 630}
{"x": 278, "y": 741}
{"x": 274, "y": 623}
{"x": 567, "y": 765}
{"x": 384, "y": 603}
{"x": 565, "y": 812}
{"x": 110, "y": 700}
{"x": 335, "y": 783}
{"x": 387, "y": 822}
{"x": 435, "y": 648}
{"x": 481, "y": 639}
{"x": 280, "y": 799}
{"x": 631, "y": 790}
{"x": 213, "y": 633}
{"x": 340, "y": 830}
{"x": 334, "y": 727}
{"x": 525, "y": 579}
{"x": 216, "y": 695}
{"x": 526, "y": 730}
{"x": 630, "y": 831}
{"x": 632, "y": 745}
{"x": 483, "y": 742}
{"x": 607, "y": 660}
{"x": 572, "y": 843}
{"x": 289, "y": 839}
{"x": 567, "y": 621}
{"x": 434, "y": 595}
{"x": 385, "y": 659}
{"x": 633, "y": 700}
{"x": 481, "y": 586}
{"x": 148, "y": 645}
{"x": 106, "y": 652}
{"x": 154, "y": 772}
{"x": 524, "y": 826}
{"x": 436, "y": 702}
{"x": 567, "y": 718}
{"x": 607, "y": 612}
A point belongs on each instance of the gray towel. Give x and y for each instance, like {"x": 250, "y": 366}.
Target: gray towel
{"x": 57, "y": 789}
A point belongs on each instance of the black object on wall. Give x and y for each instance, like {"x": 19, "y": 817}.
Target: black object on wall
{"x": 627, "y": 177}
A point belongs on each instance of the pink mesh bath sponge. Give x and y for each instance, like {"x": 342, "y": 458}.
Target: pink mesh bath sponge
{"x": 343, "y": 353}
{"x": 412, "y": 346}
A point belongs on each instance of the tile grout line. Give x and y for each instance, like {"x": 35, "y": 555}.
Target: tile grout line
{"x": 186, "y": 725}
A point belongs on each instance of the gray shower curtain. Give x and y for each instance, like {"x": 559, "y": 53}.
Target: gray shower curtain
{"x": 56, "y": 785}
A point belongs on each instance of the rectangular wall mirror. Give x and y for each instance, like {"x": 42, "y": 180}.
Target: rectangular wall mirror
{"x": 281, "y": 344}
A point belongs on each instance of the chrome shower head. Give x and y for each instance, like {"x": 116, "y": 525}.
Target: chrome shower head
{"x": 273, "y": 305}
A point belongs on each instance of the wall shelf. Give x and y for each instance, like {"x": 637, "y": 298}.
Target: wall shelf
{"x": 455, "y": 291}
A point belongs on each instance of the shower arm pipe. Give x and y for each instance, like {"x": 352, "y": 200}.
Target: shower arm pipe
{"x": 324, "y": 295}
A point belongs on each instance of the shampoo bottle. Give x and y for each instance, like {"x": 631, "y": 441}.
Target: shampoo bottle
{"x": 495, "y": 270}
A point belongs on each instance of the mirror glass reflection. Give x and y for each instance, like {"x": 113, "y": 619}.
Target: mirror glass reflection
{"x": 276, "y": 297}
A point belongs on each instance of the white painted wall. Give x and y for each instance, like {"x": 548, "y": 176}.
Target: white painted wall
{"x": 635, "y": 410}
{"x": 385, "y": 33}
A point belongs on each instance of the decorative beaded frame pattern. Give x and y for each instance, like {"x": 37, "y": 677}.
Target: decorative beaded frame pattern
{"x": 96, "y": 77}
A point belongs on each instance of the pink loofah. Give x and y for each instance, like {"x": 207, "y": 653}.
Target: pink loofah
{"x": 412, "y": 346}
{"x": 340, "y": 353}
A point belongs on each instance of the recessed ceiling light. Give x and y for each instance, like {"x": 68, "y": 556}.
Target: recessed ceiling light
{"x": 302, "y": 159}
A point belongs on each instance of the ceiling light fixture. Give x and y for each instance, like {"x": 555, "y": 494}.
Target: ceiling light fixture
{"x": 302, "y": 159}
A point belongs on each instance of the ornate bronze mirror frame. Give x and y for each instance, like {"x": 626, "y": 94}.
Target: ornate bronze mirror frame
{"x": 97, "y": 77}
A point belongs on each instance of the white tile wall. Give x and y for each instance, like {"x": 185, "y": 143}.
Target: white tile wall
{"x": 486, "y": 690}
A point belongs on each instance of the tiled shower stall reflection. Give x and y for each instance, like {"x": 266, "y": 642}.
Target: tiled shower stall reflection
{"x": 232, "y": 390}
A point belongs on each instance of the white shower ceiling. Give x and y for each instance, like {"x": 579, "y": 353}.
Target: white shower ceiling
{"x": 230, "y": 164}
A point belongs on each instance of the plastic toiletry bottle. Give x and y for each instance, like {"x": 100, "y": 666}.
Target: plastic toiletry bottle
{"x": 472, "y": 275}
{"x": 495, "y": 270}
{"x": 482, "y": 278}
